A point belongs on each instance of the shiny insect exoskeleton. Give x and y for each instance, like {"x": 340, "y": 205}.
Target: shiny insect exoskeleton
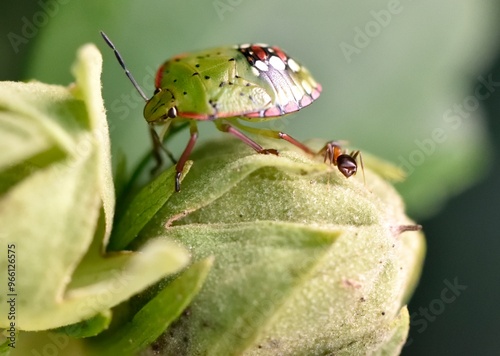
{"x": 252, "y": 82}
{"x": 344, "y": 161}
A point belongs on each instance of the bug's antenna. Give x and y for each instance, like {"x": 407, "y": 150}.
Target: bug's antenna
{"x": 122, "y": 63}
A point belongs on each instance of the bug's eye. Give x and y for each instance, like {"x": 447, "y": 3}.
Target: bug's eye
{"x": 347, "y": 165}
{"x": 157, "y": 90}
{"x": 172, "y": 112}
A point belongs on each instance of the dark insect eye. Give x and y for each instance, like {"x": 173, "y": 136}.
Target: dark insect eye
{"x": 172, "y": 112}
{"x": 157, "y": 90}
{"x": 347, "y": 165}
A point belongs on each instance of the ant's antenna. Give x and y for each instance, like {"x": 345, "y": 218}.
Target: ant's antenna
{"x": 122, "y": 63}
{"x": 356, "y": 154}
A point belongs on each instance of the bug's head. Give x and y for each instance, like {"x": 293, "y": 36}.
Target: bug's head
{"x": 162, "y": 106}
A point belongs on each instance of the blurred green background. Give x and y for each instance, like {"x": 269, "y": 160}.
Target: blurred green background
{"x": 413, "y": 82}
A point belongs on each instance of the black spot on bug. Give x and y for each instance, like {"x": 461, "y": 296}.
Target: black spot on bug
{"x": 185, "y": 93}
{"x": 197, "y": 65}
{"x": 237, "y": 76}
{"x": 207, "y": 77}
{"x": 175, "y": 80}
{"x": 231, "y": 59}
{"x": 230, "y": 83}
{"x": 241, "y": 94}
{"x": 195, "y": 73}
{"x": 221, "y": 84}
{"x": 250, "y": 97}
{"x": 247, "y": 84}
{"x": 177, "y": 59}
{"x": 213, "y": 104}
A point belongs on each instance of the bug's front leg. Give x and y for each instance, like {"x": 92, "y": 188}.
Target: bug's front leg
{"x": 156, "y": 149}
{"x": 158, "y": 146}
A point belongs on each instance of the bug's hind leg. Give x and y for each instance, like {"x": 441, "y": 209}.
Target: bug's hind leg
{"x": 225, "y": 127}
{"x": 276, "y": 135}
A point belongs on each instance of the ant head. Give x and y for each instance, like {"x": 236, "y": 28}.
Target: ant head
{"x": 345, "y": 162}
{"x": 347, "y": 165}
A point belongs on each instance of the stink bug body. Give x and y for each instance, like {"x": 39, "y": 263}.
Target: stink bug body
{"x": 253, "y": 82}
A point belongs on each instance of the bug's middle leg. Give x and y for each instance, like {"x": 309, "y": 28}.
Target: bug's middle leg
{"x": 193, "y": 130}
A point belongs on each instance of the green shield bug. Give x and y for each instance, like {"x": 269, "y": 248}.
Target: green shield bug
{"x": 252, "y": 82}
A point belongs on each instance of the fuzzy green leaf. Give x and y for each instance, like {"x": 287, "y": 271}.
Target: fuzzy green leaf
{"x": 142, "y": 209}
{"x": 397, "y": 332}
{"x": 306, "y": 261}
{"x": 152, "y": 320}
{"x": 89, "y": 327}
{"x": 57, "y": 205}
